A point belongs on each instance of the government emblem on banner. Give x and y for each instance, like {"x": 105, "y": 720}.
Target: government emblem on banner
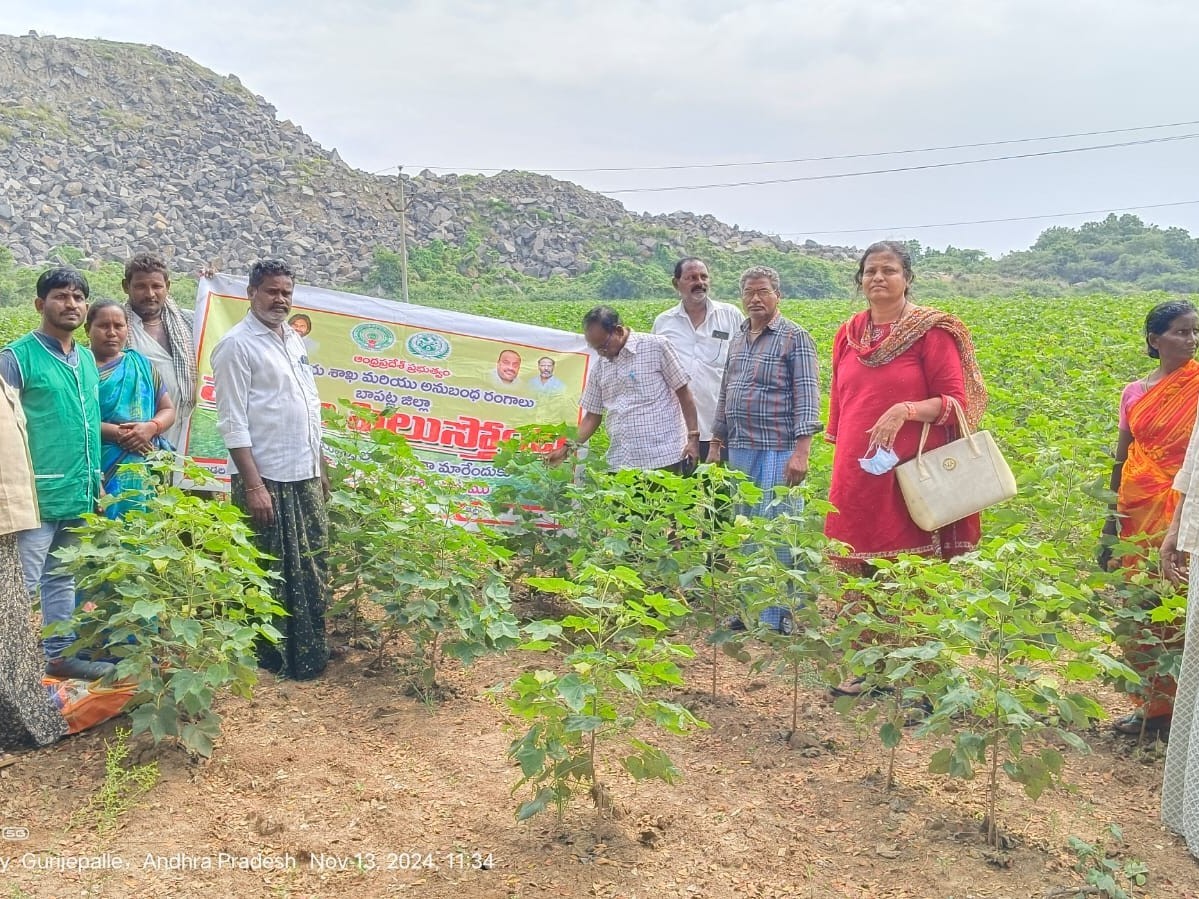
{"x": 428, "y": 346}
{"x": 372, "y": 336}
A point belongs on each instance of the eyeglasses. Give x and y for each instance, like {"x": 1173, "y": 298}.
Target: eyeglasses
{"x": 762, "y": 293}
{"x": 602, "y": 349}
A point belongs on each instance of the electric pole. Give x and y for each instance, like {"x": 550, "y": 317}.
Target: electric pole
{"x": 403, "y": 239}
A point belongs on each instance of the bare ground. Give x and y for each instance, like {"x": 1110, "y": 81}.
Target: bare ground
{"x": 355, "y": 789}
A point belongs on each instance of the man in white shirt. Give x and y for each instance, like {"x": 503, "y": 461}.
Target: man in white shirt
{"x": 699, "y": 329}
{"x": 269, "y": 415}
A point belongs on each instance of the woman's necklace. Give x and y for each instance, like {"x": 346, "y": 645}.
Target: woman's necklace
{"x": 1153, "y": 377}
{"x": 872, "y": 333}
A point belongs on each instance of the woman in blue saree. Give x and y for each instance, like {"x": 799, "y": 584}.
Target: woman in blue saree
{"x": 135, "y": 408}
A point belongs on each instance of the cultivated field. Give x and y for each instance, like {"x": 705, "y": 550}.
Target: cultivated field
{"x": 395, "y": 773}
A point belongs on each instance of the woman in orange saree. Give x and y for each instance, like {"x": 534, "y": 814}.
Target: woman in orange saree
{"x": 1157, "y": 414}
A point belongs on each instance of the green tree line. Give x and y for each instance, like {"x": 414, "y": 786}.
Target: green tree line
{"x": 1120, "y": 254}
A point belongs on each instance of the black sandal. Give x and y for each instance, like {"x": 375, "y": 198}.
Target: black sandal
{"x": 1131, "y": 724}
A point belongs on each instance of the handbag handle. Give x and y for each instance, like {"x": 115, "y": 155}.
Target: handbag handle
{"x": 963, "y": 427}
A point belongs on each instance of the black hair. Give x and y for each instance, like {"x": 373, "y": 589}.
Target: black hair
{"x": 301, "y": 317}
{"x": 682, "y": 263}
{"x": 269, "y": 268}
{"x": 63, "y": 276}
{"x": 886, "y": 246}
{"x": 94, "y": 309}
{"x": 146, "y": 263}
{"x": 604, "y": 316}
{"x": 1157, "y": 322}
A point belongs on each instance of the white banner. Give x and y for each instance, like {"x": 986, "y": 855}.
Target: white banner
{"x": 453, "y": 384}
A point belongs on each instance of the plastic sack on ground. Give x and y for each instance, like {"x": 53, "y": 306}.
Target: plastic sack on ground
{"x": 85, "y": 704}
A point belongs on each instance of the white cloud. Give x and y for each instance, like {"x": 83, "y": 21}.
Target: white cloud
{"x": 572, "y": 84}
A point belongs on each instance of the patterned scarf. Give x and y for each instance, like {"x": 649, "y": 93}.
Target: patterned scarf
{"x": 918, "y": 321}
{"x": 179, "y": 335}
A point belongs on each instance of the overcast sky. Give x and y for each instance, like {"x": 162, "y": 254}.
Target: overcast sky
{"x": 476, "y": 84}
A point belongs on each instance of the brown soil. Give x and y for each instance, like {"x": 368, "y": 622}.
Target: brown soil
{"x": 349, "y": 774}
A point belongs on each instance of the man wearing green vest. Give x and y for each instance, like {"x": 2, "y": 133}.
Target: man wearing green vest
{"x": 59, "y": 387}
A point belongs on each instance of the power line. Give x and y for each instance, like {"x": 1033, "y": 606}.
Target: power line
{"x": 1015, "y": 218}
{"x": 908, "y": 168}
{"x": 803, "y": 159}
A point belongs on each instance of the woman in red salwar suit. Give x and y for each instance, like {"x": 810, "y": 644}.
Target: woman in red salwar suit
{"x": 895, "y": 366}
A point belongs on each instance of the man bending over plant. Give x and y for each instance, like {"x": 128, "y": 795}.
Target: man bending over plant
{"x": 641, "y": 386}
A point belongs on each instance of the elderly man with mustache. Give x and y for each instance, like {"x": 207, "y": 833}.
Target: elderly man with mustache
{"x": 769, "y": 406}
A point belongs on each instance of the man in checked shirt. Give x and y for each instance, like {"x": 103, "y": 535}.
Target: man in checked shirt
{"x": 769, "y": 406}
{"x": 641, "y": 387}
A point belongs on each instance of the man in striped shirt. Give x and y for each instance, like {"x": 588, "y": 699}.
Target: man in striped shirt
{"x": 769, "y": 404}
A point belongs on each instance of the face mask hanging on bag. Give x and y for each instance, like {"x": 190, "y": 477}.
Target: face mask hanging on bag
{"x": 950, "y": 482}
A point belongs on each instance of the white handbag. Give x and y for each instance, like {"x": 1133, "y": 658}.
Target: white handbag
{"x": 950, "y": 482}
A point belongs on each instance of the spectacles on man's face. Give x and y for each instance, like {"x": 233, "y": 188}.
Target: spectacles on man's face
{"x": 602, "y": 349}
{"x": 762, "y": 293}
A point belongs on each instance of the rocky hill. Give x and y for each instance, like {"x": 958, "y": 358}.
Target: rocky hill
{"x": 113, "y": 148}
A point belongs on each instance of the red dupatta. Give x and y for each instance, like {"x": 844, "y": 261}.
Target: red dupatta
{"x": 910, "y": 327}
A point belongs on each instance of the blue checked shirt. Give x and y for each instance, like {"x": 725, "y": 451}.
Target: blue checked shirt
{"x": 770, "y": 394}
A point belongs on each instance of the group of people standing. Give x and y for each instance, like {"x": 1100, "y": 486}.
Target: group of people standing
{"x": 716, "y": 383}
{"x": 72, "y": 416}
{"x": 71, "y": 419}
{"x": 711, "y": 382}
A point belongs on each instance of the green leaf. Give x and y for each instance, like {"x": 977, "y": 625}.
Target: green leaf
{"x": 557, "y": 585}
{"x": 536, "y": 805}
{"x": 939, "y": 762}
{"x": 574, "y": 691}
{"x": 530, "y": 756}
{"x": 1073, "y": 740}
{"x": 582, "y": 724}
{"x": 1053, "y": 760}
{"x": 188, "y": 630}
{"x": 543, "y": 630}
{"x": 650, "y": 762}
{"x": 890, "y": 736}
{"x": 148, "y": 609}
{"x": 629, "y": 681}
